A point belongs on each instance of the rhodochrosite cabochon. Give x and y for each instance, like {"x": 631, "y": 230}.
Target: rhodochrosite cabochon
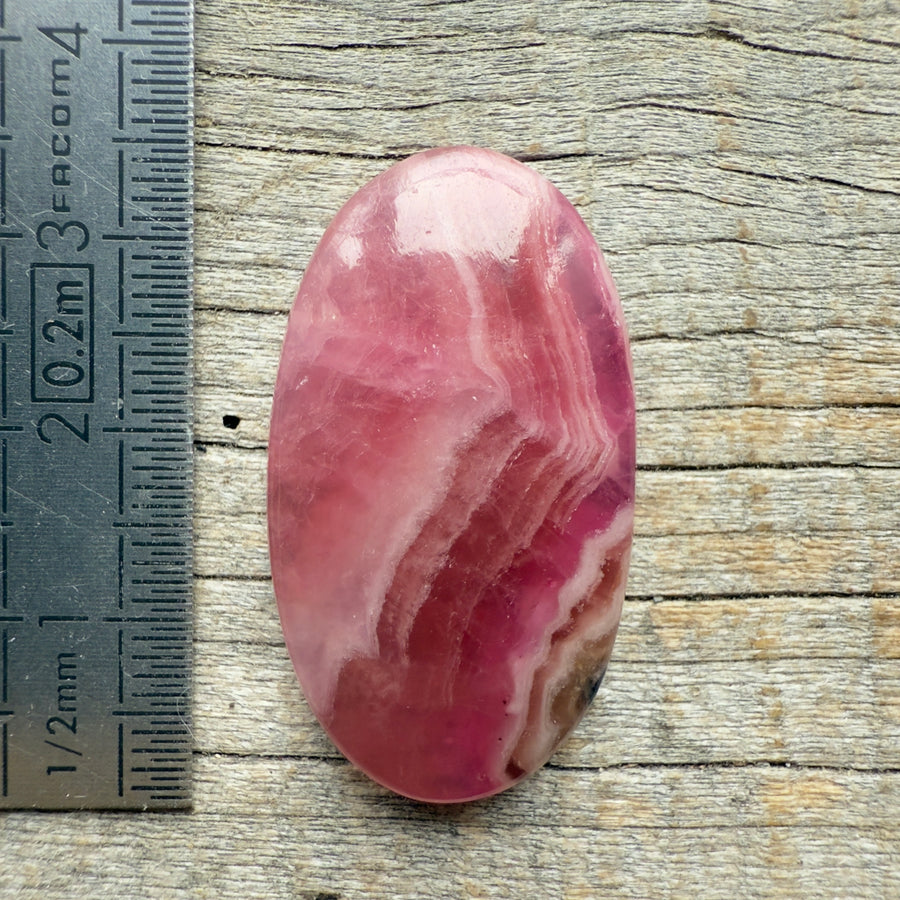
{"x": 451, "y": 474}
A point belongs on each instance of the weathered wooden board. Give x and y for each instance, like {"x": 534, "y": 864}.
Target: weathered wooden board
{"x": 740, "y": 164}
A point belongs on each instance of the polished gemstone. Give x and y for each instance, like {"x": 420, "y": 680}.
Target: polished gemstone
{"x": 451, "y": 474}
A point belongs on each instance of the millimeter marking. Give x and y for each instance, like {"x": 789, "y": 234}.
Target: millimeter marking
{"x": 95, "y": 449}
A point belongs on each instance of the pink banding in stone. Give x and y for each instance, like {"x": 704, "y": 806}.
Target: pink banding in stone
{"x": 451, "y": 474}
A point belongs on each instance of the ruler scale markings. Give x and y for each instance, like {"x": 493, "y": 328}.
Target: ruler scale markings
{"x": 4, "y": 767}
{"x": 121, "y": 477}
{"x": 121, "y": 186}
{"x": 120, "y": 593}
{"x": 121, "y": 749}
{"x": 121, "y": 397}
{"x": 55, "y": 620}
{"x": 120, "y": 90}
{"x": 142, "y": 42}
{"x": 141, "y": 76}
{"x": 121, "y": 285}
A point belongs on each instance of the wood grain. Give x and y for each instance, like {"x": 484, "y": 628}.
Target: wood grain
{"x": 739, "y": 163}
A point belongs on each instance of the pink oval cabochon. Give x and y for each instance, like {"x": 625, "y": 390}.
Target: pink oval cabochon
{"x": 451, "y": 474}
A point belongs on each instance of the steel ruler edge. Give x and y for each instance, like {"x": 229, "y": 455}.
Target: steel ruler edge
{"x": 96, "y": 163}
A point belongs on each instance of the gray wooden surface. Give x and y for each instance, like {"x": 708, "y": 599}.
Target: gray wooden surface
{"x": 739, "y": 163}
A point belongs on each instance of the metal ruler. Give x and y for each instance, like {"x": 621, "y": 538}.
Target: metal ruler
{"x": 95, "y": 403}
